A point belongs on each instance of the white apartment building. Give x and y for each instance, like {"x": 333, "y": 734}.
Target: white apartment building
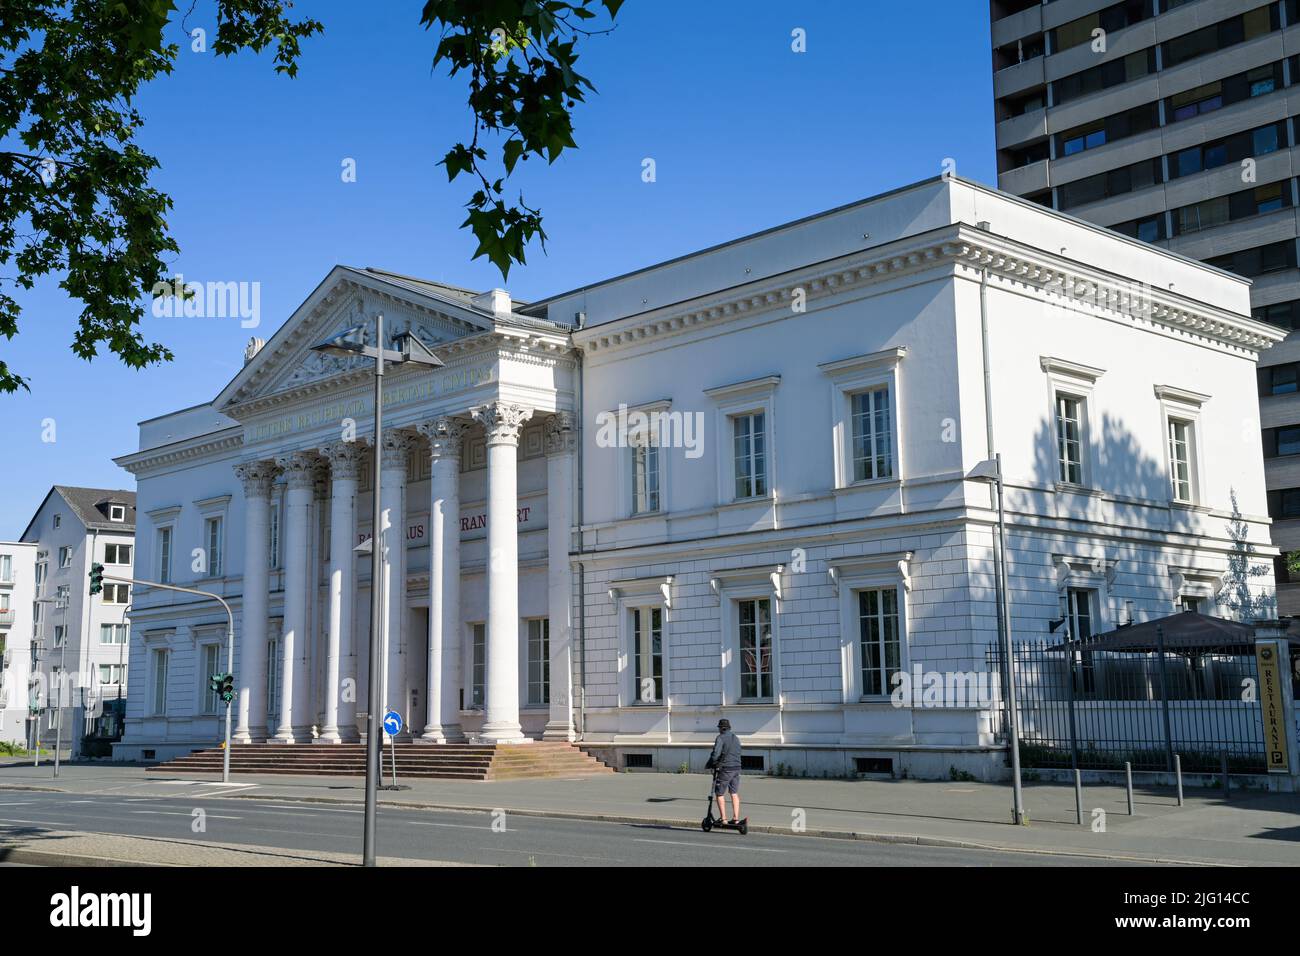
{"x": 81, "y": 638}
{"x": 17, "y": 593}
{"x": 730, "y": 484}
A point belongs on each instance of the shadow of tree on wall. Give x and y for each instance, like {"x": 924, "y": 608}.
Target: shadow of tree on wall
{"x": 1122, "y": 467}
{"x": 1236, "y": 597}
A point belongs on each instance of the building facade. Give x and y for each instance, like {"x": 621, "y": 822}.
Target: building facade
{"x": 732, "y": 484}
{"x": 81, "y": 639}
{"x": 17, "y": 638}
{"x": 1172, "y": 121}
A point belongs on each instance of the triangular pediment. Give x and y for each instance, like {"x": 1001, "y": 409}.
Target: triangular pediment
{"x": 347, "y": 298}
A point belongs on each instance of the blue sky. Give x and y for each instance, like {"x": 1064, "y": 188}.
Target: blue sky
{"x": 745, "y": 134}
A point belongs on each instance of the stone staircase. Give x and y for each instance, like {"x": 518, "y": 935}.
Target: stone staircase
{"x": 539, "y": 759}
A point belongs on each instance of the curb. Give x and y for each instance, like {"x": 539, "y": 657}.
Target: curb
{"x": 856, "y": 835}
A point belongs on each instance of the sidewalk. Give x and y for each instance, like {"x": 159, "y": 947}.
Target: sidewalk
{"x": 1250, "y": 829}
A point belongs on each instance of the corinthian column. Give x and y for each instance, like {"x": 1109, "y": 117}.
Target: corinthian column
{"x": 502, "y": 422}
{"x": 442, "y": 720}
{"x": 340, "y": 674}
{"x": 560, "y": 444}
{"x": 257, "y": 478}
{"x": 392, "y": 502}
{"x": 295, "y": 724}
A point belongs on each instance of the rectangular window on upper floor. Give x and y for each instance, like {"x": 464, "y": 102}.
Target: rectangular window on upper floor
{"x": 1221, "y": 35}
{"x": 1024, "y": 103}
{"x": 1027, "y": 155}
{"x": 1279, "y": 379}
{"x": 1104, "y": 76}
{"x": 1258, "y": 261}
{"x": 1285, "y": 315}
{"x": 1229, "y": 150}
{"x": 1107, "y": 130}
{"x": 1106, "y": 185}
{"x": 1018, "y": 51}
{"x": 1230, "y": 208}
{"x": 1147, "y": 229}
{"x": 1284, "y": 503}
{"x": 1232, "y": 89}
{"x": 1281, "y": 442}
{"x": 1112, "y": 18}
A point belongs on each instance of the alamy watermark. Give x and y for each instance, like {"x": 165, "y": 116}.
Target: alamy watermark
{"x": 177, "y": 298}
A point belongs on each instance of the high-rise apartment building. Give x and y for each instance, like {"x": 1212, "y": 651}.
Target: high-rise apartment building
{"x": 1174, "y": 122}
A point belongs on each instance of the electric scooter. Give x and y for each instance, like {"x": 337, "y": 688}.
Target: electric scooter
{"x": 711, "y": 822}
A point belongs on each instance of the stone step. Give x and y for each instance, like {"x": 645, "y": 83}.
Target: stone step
{"x": 451, "y": 761}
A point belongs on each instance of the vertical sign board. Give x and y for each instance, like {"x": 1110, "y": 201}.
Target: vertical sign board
{"x": 1271, "y": 660}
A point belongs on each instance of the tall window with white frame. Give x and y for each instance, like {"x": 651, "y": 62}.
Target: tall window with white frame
{"x": 539, "y": 661}
{"x": 645, "y": 475}
{"x": 1069, "y": 438}
{"x": 273, "y": 680}
{"x": 159, "y": 682}
{"x": 754, "y": 618}
{"x": 873, "y": 441}
{"x": 117, "y": 593}
{"x": 1079, "y": 606}
{"x": 648, "y": 654}
{"x": 478, "y": 672}
{"x": 165, "y": 555}
{"x": 6, "y": 568}
{"x": 879, "y": 639}
{"x": 273, "y": 536}
{"x": 214, "y": 532}
{"x": 1181, "y": 449}
{"x": 211, "y": 665}
{"x": 749, "y": 454}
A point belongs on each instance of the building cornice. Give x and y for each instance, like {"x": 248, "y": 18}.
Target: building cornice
{"x": 213, "y": 443}
{"x": 960, "y": 246}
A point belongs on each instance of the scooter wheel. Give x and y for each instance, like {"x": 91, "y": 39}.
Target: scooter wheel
{"x": 706, "y": 824}
{"x": 744, "y": 826}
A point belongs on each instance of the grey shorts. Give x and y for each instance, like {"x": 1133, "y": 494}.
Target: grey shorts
{"x": 727, "y": 780}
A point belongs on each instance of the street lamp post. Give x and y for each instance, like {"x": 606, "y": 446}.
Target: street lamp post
{"x": 59, "y": 605}
{"x": 990, "y": 471}
{"x": 410, "y": 349}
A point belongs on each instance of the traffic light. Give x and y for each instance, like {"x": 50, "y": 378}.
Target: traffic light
{"x": 227, "y": 687}
{"x": 214, "y": 683}
{"x": 96, "y": 578}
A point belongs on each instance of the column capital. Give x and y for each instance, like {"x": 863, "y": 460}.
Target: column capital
{"x": 345, "y": 458}
{"x": 257, "y": 477}
{"x": 502, "y": 421}
{"x": 561, "y": 439}
{"x": 395, "y": 445}
{"x": 299, "y": 468}
{"x": 446, "y": 436}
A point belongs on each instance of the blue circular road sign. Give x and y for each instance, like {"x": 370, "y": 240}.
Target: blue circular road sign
{"x": 392, "y": 723}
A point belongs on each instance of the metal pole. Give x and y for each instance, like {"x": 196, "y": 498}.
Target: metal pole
{"x": 1078, "y": 797}
{"x": 230, "y": 669}
{"x": 1227, "y": 787}
{"x": 376, "y": 561}
{"x": 1164, "y": 702}
{"x": 58, "y": 723}
{"x": 1128, "y": 785}
{"x": 1178, "y": 774}
{"x": 1017, "y": 796}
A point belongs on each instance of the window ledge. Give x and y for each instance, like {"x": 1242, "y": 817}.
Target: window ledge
{"x": 1190, "y": 506}
{"x": 746, "y": 502}
{"x": 870, "y": 483}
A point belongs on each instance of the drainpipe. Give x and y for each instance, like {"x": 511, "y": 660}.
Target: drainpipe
{"x": 582, "y": 569}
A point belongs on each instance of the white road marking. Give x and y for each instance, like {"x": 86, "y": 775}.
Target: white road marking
{"x": 751, "y": 849}
{"x": 183, "y": 813}
{"x": 454, "y": 826}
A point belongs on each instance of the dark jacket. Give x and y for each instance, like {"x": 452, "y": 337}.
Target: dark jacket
{"x": 726, "y": 752}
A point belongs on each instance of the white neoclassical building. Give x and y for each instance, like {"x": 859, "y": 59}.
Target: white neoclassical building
{"x": 730, "y": 484}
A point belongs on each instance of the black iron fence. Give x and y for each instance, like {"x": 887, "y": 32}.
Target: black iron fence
{"x": 1100, "y": 709}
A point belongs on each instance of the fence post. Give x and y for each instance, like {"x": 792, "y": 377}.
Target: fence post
{"x": 1128, "y": 784}
{"x": 1164, "y": 706}
{"x": 1178, "y": 775}
{"x": 1069, "y": 683}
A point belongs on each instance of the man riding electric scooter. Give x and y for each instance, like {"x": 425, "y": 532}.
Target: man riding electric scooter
{"x": 725, "y": 763}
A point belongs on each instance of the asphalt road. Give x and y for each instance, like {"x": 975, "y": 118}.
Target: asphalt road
{"x": 472, "y": 837}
